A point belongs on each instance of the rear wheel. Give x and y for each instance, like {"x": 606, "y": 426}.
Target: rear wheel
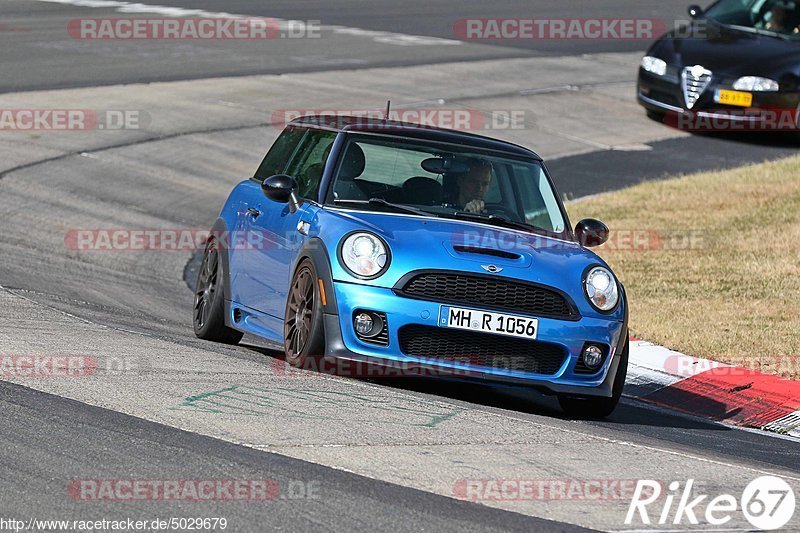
{"x": 594, "y": 407}
{"x": 302, "y": 326}
{"x": 208, "y": 316}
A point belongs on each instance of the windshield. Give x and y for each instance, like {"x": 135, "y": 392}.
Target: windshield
{"x": 778, "y": 17}
{"x": 447, "y": 181}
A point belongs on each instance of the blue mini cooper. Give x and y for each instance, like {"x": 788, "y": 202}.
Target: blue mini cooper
{"x": 387, "y": 243}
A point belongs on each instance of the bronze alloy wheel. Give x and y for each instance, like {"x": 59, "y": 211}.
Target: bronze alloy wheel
{"x": 302, "y": 326}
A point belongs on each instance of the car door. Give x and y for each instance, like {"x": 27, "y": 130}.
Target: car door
{"x": 247, "y": 279}
{"x": 283, "y": 238}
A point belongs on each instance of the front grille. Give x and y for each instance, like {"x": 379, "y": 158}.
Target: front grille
{"x": 489, "y": 292}
{"x": 694, "y": 81}
{"x": 481, "y": 349}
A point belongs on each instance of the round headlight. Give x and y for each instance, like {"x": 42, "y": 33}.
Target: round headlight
{"x": 601, "y": 289}
{"x": 364, "y": 255}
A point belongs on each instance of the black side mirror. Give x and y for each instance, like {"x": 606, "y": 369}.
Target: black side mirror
{"x": 591, "y": 232}
{"x": 695, "y": 11}
{"x": 282, "y": 188}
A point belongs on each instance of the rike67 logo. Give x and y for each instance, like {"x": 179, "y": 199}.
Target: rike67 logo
{"x": 767, "y": 502}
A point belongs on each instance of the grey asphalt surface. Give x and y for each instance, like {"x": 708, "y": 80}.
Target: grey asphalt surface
{"x": 36, "y": 52}
{"x": 85, "y": 442}
{"x": 179, "y": 178}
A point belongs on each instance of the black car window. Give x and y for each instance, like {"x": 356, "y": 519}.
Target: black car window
{"x": 446, "y": 180}
{"x": 281, "y": 152}
{"x": 781, "y": 17}
{"x": 308, "y": 162}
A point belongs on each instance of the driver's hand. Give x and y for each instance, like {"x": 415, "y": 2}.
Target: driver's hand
{"x": 475, "y": 206}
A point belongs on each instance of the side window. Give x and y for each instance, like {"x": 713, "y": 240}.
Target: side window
{"x": 539, "y": 203}
{"x": 308, "y": 163}
{"x": 280, "y": 153}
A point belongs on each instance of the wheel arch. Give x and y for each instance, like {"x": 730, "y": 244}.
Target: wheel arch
{"x": 219, "y": 230}
{"x": 314, "y": 250}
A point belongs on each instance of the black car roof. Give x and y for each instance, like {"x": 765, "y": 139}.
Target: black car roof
{"x": 407, "y": 129}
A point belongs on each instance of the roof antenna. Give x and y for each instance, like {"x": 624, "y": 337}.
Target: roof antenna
{"x": 388, "y": 108}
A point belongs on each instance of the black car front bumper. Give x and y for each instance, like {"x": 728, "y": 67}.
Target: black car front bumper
{"x": 770, "y": 111}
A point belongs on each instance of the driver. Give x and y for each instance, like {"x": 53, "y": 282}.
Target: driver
{"x": 473, "y": 184}
{"x": 779, "y": 21}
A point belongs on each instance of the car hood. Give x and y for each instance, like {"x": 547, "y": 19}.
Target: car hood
{"x": 731, "y": 52}
{"x": 420, "y": 243}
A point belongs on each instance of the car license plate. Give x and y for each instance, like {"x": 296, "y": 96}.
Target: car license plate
{"x": 488, "y": 322}
{"x": 737, "y": 98}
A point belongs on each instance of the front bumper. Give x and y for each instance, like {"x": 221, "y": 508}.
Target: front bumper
{"x": 770, "y": 111}
{"x": 343, "y": 343}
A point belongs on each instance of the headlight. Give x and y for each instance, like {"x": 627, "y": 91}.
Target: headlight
{"x": 655, "y": 65}
{"x": 601, "y": 289}
{"x": 364, "y": 255}
{"x": 755, "y": 84}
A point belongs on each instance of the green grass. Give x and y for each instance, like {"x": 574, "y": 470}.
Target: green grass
{"x": 732, "y": 294}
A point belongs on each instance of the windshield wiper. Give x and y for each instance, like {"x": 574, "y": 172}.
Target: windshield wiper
{"x": 384, "y": 203}
{"x": 495, "y": 220}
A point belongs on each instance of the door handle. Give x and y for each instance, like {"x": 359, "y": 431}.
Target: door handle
{"x": 253, "y": 212}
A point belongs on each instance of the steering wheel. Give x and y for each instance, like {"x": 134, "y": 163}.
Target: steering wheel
{"x": 501, "y": 209}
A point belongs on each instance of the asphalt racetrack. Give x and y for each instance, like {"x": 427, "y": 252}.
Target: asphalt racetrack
{"x": 347, "y": 454}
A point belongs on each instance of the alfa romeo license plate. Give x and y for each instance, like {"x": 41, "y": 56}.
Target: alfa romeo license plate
{"x": 488, "y": 322}
{"x": 737, "y": 98}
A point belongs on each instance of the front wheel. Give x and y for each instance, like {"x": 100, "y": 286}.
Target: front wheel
{"x": 593, "y": 407}
{"x": 302, "y": 324}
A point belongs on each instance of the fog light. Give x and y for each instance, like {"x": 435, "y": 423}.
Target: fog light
{"x": 363, "y": 324}
{"x": 592, "y": 356}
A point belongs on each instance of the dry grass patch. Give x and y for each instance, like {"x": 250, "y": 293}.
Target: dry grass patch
{"x": 722, "y": 278}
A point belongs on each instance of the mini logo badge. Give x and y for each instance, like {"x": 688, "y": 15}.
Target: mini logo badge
{"x": 494, "y": 269}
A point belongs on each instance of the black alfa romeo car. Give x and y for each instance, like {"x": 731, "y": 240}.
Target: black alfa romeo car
{"x": 736, "y": 66}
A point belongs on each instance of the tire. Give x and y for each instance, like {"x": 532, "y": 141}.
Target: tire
{"x": 208, "y": 315}
{"x": 594, "y": 407}
{"x": 303, "y": 331}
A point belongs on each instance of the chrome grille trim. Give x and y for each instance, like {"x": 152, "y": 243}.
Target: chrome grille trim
{"x": 694, "y": 81}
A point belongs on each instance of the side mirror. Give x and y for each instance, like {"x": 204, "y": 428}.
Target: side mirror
{"x": 282, "y": 188}
{"x": 591, "y": 232}
{"x": 695, "y": 11}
